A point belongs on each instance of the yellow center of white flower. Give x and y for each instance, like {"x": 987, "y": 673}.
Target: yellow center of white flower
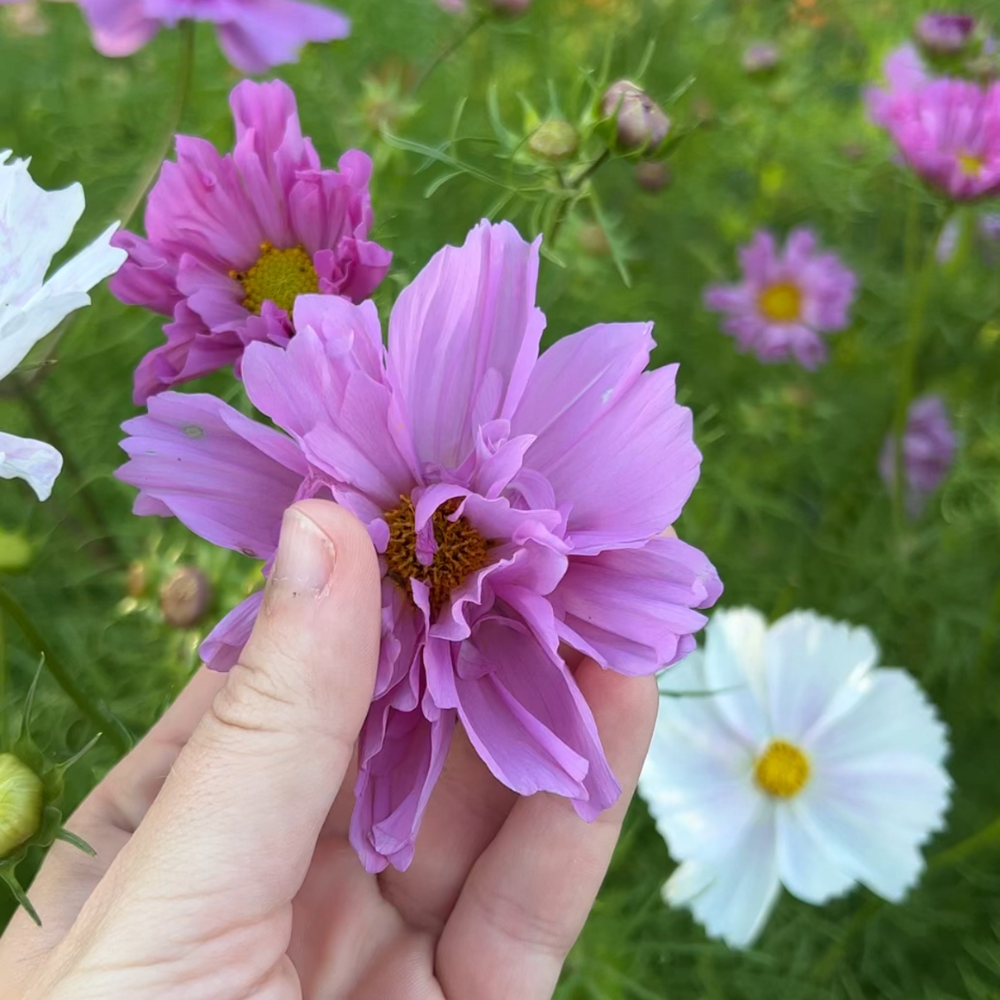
{"x": 781, "y": 302}
{"x": 970, "y": 164}
{"x": 279, "y": 275}
{"x": 461, "y": 550}
{"x": 20, "y": 803}
{"x": 782, "y": 770}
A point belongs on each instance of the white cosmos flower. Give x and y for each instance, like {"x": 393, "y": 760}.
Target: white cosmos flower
{"x": 34, "y": 225}
{"x": 806, "y": 766}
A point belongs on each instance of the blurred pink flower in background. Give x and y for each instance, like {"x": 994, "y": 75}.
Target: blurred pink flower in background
{"x": 518, "y": 502}
{"x": 942, "y": 33}
{"x": 786, "y": 298}
{"x": 254, "y": 34}
{"x": 948, "y": 132}
{"x": 233, "y": 240}
{"x": 500, "y": 6}
{"x": 904, "y": 71}
{"x": 929, "y": 447}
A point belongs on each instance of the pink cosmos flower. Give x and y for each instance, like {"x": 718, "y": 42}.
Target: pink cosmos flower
{"x": 948, "y": 132}
{"x": 785, "y": 299}
{"x": 233, "y": 240}
{"x": 929, "y": 447}
{"x": 254, "y": 34}
{"x": 517, "y": 502}
{"x": 904, "y": 71}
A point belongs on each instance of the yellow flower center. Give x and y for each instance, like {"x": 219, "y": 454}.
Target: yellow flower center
{"x": 782, "y": 770}
{"x": 279, "y": 275}
{"x": 461, "y": 550}
{"x": 970, "y": 164}
{"x": 781, "y": 302}
{"x": 21, "y": 796}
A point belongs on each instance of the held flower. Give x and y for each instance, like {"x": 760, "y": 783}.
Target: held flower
{"x": 929, "y": 447}
{"x": 233, "y": 240}
{"x": 948, "y": 132}
{"x": 517, "y": 502}
{"x": 254, "y": 34}
{"x": 34, "y": 226}
{"x": 784, "y": 756}
{"x": 786, "y": 298}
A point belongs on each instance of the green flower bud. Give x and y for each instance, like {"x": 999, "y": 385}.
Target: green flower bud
{"x": 21, "y": 803}
{"x": 554, "y": 140}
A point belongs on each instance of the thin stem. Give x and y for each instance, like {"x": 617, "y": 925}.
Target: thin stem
{"x": 185, "y": 75}
{"x": 450, "y": 49}
{"x": 572, "y": 189}
{"x": 50, "y": 431}
{"x": 987, "y": 837}
{"x": 93, "y": 710}
{"x": 590, "y": 170}
{"x": 908, "y": 359}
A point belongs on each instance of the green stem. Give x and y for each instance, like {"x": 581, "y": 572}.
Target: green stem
{"x": 572, "y": 189}
{"x": 96, "y": 712}
{"x": 185, "y": 75}
{"x": 987, "y": 837}
{"x": 450, "y": 49}
{"x": 921, "y": 283}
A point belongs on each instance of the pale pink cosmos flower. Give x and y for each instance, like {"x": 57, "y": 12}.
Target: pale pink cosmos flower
{"x": 233, "y": 240}
{"x": 904, "y": 71}
{"x": 786, "y": 298}
{"x": 518, "y": 503}
{"x": 254, "y": 34}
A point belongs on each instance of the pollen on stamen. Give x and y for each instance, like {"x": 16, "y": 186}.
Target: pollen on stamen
{"x": 461, "y": 551}
{"x": 279, "y": 276}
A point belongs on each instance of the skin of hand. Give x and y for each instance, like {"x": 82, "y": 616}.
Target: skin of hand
{"x": 223, "y": 870}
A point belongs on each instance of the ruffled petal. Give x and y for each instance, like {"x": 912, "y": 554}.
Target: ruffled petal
{"x": 401, "y": 755}
{"x": 120, "y": 27}
{"x": 223, "y": 646}
{"x": 633, "y": 608}
{"x": 226, "y": 477}
{"x": 528, "y": 721}
{"x": 463, "y": 338}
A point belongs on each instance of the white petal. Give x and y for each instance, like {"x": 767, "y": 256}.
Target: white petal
{"x": 697, "y": 777}
{"x": 892, "y": 716}
{"x": 21, "y": 327}
{"x": 34, "y": 461}
{"x": 805, "y": 868}
{"x": 735, "y": 900}
{"x": 810, "y": 660}
{"x": 872, "y": 820}
{"x": 34, "y": 225}
{"x": 734, "y": 667}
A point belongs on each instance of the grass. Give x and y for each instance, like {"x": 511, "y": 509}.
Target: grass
{"x": 789, "y": 506}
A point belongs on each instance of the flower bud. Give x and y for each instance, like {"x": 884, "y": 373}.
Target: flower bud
{"x": 513, "y": 7}
{"x": 652, "y": 175}
{"x": 760, "y": 57}
{"x": 594, "y": 240}
{"x": 185, "y": 597}
{"x": 21, "y": 803}
{"x": 641, "y": 122}
{"x": 942, "y": 34}
{"x": 554, "y": 140}
{"x": 136, "y": 580}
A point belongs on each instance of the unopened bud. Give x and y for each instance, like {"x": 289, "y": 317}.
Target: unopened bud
{"x": 641, "y": 122}
{"x": 136, "y": 580}
{"x": 760, "y": 57}
{"x": 185, "y": 597}
{"x": 942, "y": 34}
{"x": 652, "y": 175}
{"x": 554, "y": 140}
{"x": 21, "y": 803}
{"x": 510, "y": 6}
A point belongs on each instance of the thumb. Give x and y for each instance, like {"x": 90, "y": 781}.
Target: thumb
{"x": 239, "y": 816}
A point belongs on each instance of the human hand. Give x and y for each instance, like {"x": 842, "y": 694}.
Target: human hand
{"x": 223, "y": 870}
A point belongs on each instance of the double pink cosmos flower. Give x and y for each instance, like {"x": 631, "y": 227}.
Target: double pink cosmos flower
{"x": 233, "y": 240}
{"x": 518, "y": 503}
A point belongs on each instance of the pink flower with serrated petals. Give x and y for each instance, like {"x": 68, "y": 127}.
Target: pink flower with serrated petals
{"x": 233, "y": 240}
{"x": 786, "y": 298}
{"x": 518, "y": 502}
{"x": 254, "y": 34}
